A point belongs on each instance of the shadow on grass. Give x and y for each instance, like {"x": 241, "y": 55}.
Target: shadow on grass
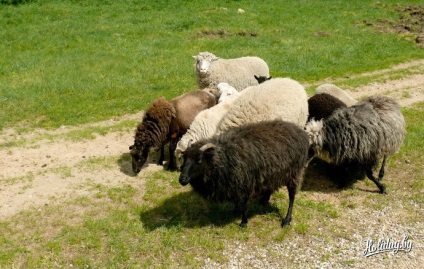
{"x": 189, "y": 210}
{"x": 323, "y": 177}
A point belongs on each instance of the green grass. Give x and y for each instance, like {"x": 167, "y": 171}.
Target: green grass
{"x": 72, "y": 62}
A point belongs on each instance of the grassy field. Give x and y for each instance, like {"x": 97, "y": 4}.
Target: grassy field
{"x": 75, "y": 63}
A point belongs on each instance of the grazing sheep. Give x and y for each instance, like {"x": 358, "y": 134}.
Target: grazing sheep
{"x": 166, "y": 122}
{"x": 262, "y": 79}
{"x": 322, "y": 105}
{"x": 205, "y": 123}
{"x": 278, "y": 98}
{"x": 249, "y": 162}
{"x": 239, "y": 72}
{"x": 336, "y": 92}
{"x": 362, "y": 134}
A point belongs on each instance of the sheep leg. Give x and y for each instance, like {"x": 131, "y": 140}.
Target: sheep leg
{"x": 292, "y": 193}
{"x": 162, "y": 155}
{"x": 381, "y": 173}
{"x": 373, "y": 179}
{"x": 172, "y": 164}
{"x": 243, "y": 209}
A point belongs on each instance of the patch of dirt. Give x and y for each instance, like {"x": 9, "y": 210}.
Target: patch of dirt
{"x": 410, "y": 23}
{"x": 220, "y": 33}
{"x": 407, "y": 91}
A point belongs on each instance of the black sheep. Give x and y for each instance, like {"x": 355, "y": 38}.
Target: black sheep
{"x": 248, "y": 162}
{"x": 322, "y": 105}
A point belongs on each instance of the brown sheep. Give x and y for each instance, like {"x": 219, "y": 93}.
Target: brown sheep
{"x": 166, "y": 122}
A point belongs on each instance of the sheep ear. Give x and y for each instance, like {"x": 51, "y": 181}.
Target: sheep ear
{"x": 207, "y": 149}
{"x": 256, "y": 77}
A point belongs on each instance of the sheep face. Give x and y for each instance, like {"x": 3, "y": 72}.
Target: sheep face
{"x": 225, "y": 91}
{"x": 203, "y": 61}
{"x": 139, "y": 154}
{"x": 194, "y": 165}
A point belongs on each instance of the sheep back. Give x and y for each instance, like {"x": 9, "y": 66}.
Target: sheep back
{"x": 365, "y": 132}
{"x": 336, "y": 92}
{"x": 278, "y": 98}
{"x": 188, "y": 105}
{"x": 322, "y": 105}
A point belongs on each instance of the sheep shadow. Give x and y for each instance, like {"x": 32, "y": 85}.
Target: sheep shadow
{"x": 125, "y": 166}
{"x": 189, "y": 210}
{"x": 323, "y": 177}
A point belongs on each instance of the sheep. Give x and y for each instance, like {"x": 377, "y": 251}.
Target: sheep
{"x": 166, "y": 122}
{"x": 239, "y": 73}
{"x": 248, "y": 162}
{"x": 278, "y": 98}
{"x": 205, "y": 123}
{"x": 262, "y": 79}
{"x": 225, "y": 91}
{"x": 362, "y": 134}
{"x": 322, "y": 105}
{"x": 336, "y": 92}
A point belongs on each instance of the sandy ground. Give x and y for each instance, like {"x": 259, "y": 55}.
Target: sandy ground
{"x": 31, "y": 174}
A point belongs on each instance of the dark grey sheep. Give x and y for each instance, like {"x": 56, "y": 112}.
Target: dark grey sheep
{"x": 362, "y": 134}
{"x": 248, "y": 162}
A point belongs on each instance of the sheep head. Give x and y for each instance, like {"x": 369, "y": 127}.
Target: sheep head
{"x": 314, "y": 131}
{"x": 203, "y": 61}
{"x": 225, "y": 91}
{"x": 262, "y": 79}
{"x": 193, "y": 168}
{"x": 139, "y": 153}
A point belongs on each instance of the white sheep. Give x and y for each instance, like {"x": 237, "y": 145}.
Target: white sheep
{"x": 278, "y": 98}
{"x": 335, "y": 91}
{"x": 205, "y": 123}
{"x": 225, "y": 91}
{"x": 239, "y": 72}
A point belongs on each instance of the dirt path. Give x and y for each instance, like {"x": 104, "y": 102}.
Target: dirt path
{"x": 44, "y": 172}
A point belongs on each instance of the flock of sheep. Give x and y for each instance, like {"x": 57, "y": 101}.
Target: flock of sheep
{"x": 244, "y": 134}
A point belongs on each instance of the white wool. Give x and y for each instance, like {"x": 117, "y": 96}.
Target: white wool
{"x": 278, "y": 98}
{"x": 204, "y": 125}
{"x": 239, "y": 72}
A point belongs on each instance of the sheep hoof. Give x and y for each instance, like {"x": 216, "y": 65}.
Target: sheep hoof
{"x": 243, "y": 225}
{"x": 383, "y": 190}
